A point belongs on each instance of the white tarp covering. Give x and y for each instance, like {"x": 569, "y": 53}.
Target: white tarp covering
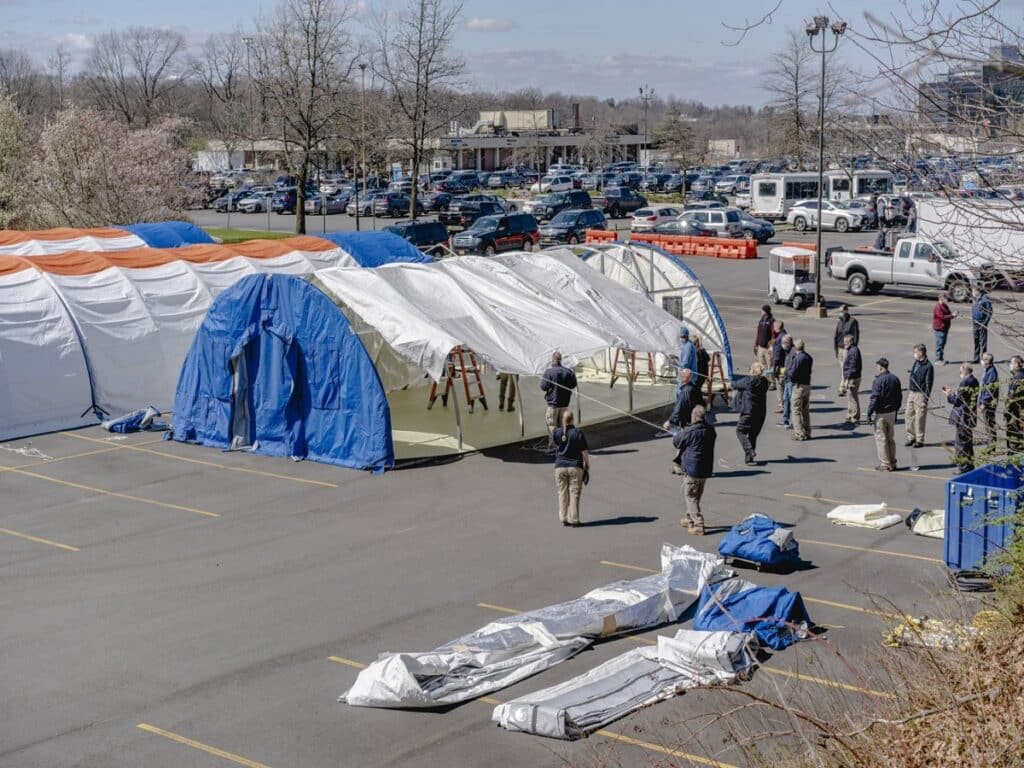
{"x": 74, "y": 240}
{"x": 864, "y": 516}
{"x": 513, "y": 648}
{"x": 512, "y": 311}
{"x": 628, "y": 682}
{"x": 668, "y": 282}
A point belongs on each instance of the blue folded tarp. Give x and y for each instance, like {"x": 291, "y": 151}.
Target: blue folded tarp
{"x": 776, "y": 615}
{"x": 760, "y": 539}
{"x": 169, "y": 234}
{"x": 375, "y": 249}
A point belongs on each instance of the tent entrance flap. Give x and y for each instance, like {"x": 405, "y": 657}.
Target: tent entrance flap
{"x": 241, "y": 410}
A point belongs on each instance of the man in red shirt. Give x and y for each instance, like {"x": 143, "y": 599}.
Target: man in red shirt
{"x": 942, "y": 317}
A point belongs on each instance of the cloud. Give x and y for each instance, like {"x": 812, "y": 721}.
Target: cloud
{"x": 477, "y": 24}
{"x": 75, "y": 41}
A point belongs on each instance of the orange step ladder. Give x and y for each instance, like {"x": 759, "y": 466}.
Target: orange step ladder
{"x": 456, "y": 368}
{"x": 627, "y": 359}
{"x": 715, "y": 367}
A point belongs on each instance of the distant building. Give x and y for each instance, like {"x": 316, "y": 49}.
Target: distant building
{"x": 983, "y": 98}
{"x": 723, "y": 149}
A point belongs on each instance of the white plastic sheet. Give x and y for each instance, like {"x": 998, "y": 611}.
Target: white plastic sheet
{"x": 875, "y": 516}
{"x": 515, "y": 647}
{"x": 628, "y": 682}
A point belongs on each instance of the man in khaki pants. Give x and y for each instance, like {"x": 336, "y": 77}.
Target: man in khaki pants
{"x": 919, "y": 389}
{"x": 696, "y": 444}
{"x": 798, "y": 371}
{"x": 886, "y": 398}
{"x": 852, "y": 369}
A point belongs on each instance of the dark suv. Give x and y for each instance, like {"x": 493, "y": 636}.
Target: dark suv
{"x": 394, "y": 204}
{"x": 571, "y": 226}
{"x": 619, "y": 200}
{"x": 493, "y": 234}
{"x": 462, "y": 213}
{"x": 551, "y": 205}
{"x": 428, "y": 236}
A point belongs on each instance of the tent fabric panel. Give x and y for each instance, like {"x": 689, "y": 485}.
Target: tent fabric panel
{"x": 11, "y": 264}
{"x": 169, "y": 234}
{"x": 375, "y": 249}
{"x": 263, "y": 249}
{"x": 44, "y": 380}
{"x": 311, "y": 388}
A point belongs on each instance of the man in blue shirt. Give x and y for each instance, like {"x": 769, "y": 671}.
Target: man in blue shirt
{"x": 557, "y": 383}
{"x": 687, "y": 352}
{"x": 852, "y": 370}
{"x": 696, "y": 443}
{"x": 981, "y": 314}
{"x": 989, "y": 397}
{"x": 572, "y": 459}
{"x": 963, "y": 417}
{"x": 798, "y": 371}
{"x": 886, "y": 398}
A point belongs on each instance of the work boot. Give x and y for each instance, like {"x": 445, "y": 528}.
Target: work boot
{"x": 511, "y": 408}
{"x": 501, "y": 405}
{"x": 909, "y": 443}
{"x": 749, "y": 460}
{"x": 694, "y": 530}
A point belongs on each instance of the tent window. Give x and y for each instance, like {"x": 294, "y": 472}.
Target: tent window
{"x": 673, "y": 305}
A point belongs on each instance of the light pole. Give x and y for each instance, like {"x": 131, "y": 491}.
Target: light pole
{"x": 646, "y": 93}
{"x": 252, "y": 106}
{"x": 362, "y": 134}
{"x": 819, "y": 24}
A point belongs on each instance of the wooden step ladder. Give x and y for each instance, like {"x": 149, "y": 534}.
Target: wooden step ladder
{"x": 627, "y": 359}
{"x": 716, "y": 368}
{"x": 456, "y": 368}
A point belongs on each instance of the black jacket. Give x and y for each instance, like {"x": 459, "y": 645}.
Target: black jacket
{"x": 689, "y": 397}
{"x": 779, "y": 352}
{"x": 886, "y": 394}
{"x": 558, "y": 383}
{"x": 922, "y": 377}
{"x": 697, "y": 445}
{"x": 964, "y": 400}
{"x": 853, "y": 365}
{"x": 798, "y": 368}
{"x": 1014, "y": 394}
{"x": 751, "y": 397}
{"x": 846, "y": 326}
{"x": 763, "y": 335}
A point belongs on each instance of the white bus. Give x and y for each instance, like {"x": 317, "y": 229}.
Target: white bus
{"x": 840, "y": 185}
{"x": 772, "y": 194}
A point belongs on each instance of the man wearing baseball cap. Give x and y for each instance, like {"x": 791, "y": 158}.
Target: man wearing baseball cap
{"x": 687, "y": 355}
{"x": 886, "y": 398}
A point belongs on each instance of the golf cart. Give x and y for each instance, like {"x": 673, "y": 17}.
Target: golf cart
{"x": 789, "y": 276}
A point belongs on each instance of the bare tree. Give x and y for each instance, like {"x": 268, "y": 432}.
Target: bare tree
{"x": 791, "y": 82}
{"x": 674, "y": 135}
{"x": 133, "y": 71}
{"x": 417, "y": 64}
{"x": 58, "y": 65}
{"x": 220, "y": 70}
{"x": 20, "y": 78}
{"x": 305, "y": 58}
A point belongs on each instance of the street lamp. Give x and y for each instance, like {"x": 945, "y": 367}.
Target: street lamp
{"x": 646, "y": 93}
{"x": 816, "y": 25}
{"x": 362, "y": 134}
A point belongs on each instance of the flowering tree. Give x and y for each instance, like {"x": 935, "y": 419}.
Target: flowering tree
{"x": 13, "y": 159}
{"x": 92, "y": 171}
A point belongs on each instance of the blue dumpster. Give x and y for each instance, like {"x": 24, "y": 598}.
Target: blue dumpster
{"x": 980, "y": 509}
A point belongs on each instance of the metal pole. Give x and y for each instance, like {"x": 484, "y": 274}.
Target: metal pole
{"x": 822, "y": 312}
{"x": 362, "y": 135}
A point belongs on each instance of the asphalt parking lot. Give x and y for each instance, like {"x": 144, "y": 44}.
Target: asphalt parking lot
{"x": 168, "y": 605}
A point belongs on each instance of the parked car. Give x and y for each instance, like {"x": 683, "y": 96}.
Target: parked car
{"x": 286, "y": 181}
{"x": 493, "y": 234}
{"x": 429, "y": 236}
{"x": 230, "y": 200}
{"x": 570, "y": 226}
{"x": 504, "y": 180}
{"x": 618, "y": 201}
{"x": 863, "y": 208}
{"x": 365, "y": 203}
{"x": 655, "y": 182}
{"x": 506, "y": 205}
{"x": 703, "y": 205}
{"x": 394, "y": 204}
{"x": 452, "y": 187}
{"x": 334, "y": 203}
{"x": 683, "y": 226}
{"x": 552, "y": 184}
{"x": 462, "y": 213}
{"x": 548, "y": 206}
{"x": 756, "y": 229}
{"x": 730, "y": 185}
{"x": 724, "y": 221}
{"x": 257, "y": 201}
{"x": 674, "y": 183}
{"x": 742, "y": 200}
{"x": 804, "y": 214}
{"x": 437, "y": 201}
{"x": 470, "y": 179}
{"x": 284, "y": 200}
{"x": 646, "y": 219}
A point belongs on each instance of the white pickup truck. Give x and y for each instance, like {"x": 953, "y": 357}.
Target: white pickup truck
{"x": 913, "y": 262}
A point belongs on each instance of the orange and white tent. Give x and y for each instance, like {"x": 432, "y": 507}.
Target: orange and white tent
{"x": 47, "y": 241}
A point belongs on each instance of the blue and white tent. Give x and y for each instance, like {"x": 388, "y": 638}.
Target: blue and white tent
{"x": 374, "y": 249}
{"x": 276, "y": 368}
{"x": 169, "y": 234}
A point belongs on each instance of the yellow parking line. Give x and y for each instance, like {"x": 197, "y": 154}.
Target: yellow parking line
{"x": 499, "y": 608}
{"x": 237, "y": 759}
{"x": 607, "y": 734}
{"x": 59, "y": 458}
{"x": 877, "y": 301}
{"x": 105, "y": 492}
{"x": 39, "y": 540}
{"x": 872, "y": 551}
{"x": 915, "y": 476}
{"x": 836, "y": 501}
{"x": 637, "y": 568}
{"x": 215, "y": 465}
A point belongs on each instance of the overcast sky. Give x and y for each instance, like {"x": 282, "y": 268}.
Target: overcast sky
{"x": 680, "y": 47}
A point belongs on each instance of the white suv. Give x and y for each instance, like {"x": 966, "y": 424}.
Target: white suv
{"x": 646, "y": 219}
{"x": 725, "y": 222}
{"x": 804, "y": 215}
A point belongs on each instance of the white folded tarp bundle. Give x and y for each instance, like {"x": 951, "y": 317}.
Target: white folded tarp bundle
{"x": 628, "y": 682}
{"x": 875, "y": 516}
{"x": 515, "y": 647}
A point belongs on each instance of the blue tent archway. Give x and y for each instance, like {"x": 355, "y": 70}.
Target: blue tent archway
{"x": 276, "y": 368}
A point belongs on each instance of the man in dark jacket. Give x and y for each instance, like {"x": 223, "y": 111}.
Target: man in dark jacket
{"x": 778, "y": 365}
{"x": 751, "y": 397}
{"x": 919, "y": 389}
{"x": 1013, "y": 410}
{"x": 763, "y": 336}
{"x": 846, "y": 325}
{"x": 798, "y": 371}
{"x": 886, "y": 398}
{"x": 989, "y": 397}
{"x": 981, "y": 314}
{"x": 689, "y": 397}
{"x": 963, "y": 417}
{"x": 557, "y": 383}
{"x": 696, "y": 443}
{"x": 853, "y": 368}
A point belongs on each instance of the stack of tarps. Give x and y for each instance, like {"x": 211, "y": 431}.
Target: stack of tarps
{"x": 759, "y": 539}
{"x": 628, "y": 682}
{"x": 875, "y": 516}
{"x": 513, "y": 648}
{"x": 776, "y": 615}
